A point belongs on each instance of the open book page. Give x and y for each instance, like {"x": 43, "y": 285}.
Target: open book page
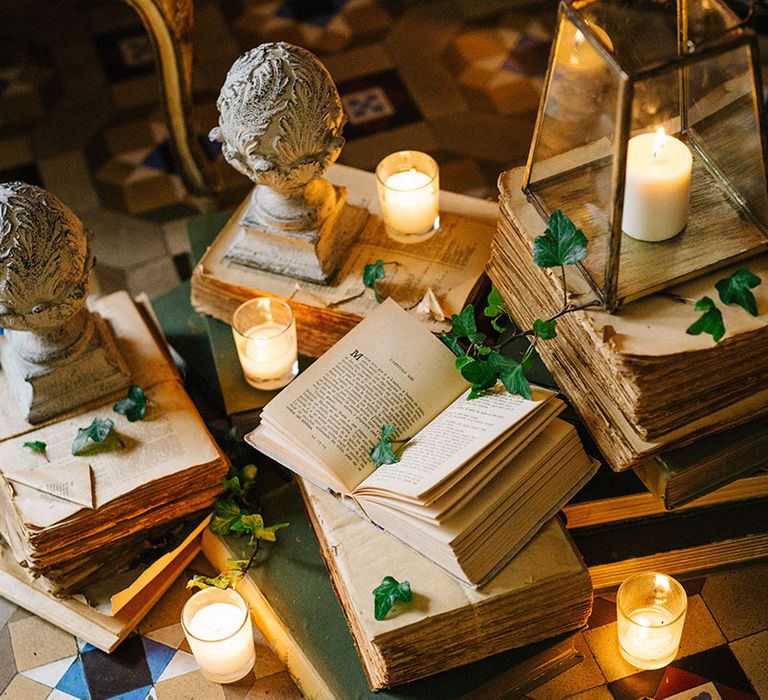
{"x": 450, "y": 263}
{"x": 388, "y": 369}
{"x": 459, "y": 433}
{"x": 170, "y": 439}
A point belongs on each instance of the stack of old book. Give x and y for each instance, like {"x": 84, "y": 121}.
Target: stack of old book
{"x": 73, "y": 521}
{"x": 641, "y": 385}
{"x": 465, "y": 513}
{"x": 450, "y": 266}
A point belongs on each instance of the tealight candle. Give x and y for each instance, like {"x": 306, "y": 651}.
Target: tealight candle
{"x": 650, "y": 612}
{"x": 265, "y": 337}
{"x": 409, "y": 192}
{"x": 217, "y": 624}
{"x": 658, "y": 182}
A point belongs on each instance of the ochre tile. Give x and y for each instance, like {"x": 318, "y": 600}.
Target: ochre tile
{"x": 21, "y": 688}
{"x": 752, "y": 653}
{"x": 738, "y": 601}
{"x": 700, "y": 631}
{"x": 7, "y": 662}
{"x": 604, "y": 644}
{"x": 584, "y": 677}
{"x": 190, "y": 685}
{"x": 36, "y": 642}
{"x": 279, "y": 686}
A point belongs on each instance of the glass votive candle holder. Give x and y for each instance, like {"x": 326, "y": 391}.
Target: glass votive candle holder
{"x": 265, "y": 336}
{"x": 650, "y": 609}
{"x": 217, "y": 624}
{"x": 408, "y": 183}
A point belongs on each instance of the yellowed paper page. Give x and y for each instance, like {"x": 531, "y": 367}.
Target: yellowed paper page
{"x": 456, "y": 436}
{"x": 389, "y": 369}
{"x": 169, "y": 440}
{"x": 69, "y": 482}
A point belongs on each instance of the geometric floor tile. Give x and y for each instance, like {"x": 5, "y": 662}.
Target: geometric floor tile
{"x": 172, "y": 635}
{"x": 21, "y": 688}
{"x": 158, "y": 656}
{"x": 181, "y": 664}
{"x": 37, "y": 643}
{"x": 73, "y": 682}
{"x": 752, "y": 653}
{"x": 109, "y": 675}
{"x": 738, "y": 601}
{"x": 50, "y": 674}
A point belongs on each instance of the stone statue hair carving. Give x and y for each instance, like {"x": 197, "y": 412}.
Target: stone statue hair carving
{"x": 45, "y": 260}
{"x": 280, "y": 117}
{"x": 56, "y": 354}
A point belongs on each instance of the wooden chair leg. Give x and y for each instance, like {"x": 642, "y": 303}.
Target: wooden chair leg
{"x": 169, "y": 24}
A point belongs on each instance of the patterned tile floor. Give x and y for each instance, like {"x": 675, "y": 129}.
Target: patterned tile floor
{"x": 80, "y": 115}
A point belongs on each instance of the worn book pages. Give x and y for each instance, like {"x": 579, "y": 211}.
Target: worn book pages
{"x": 105, "y": 614}
{"x": 451, "y": 264}
{"x": 388, "y": 370}
{"x": 543, "y": 592}
{"x": 167, "y": 441}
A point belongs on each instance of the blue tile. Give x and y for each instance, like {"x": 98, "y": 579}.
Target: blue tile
{"x": 158, "y": 657}
{"x": 73, "y": 681}
{"x": 137, "y": 694}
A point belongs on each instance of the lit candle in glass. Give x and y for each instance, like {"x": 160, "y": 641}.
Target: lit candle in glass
{"x": 650, "y": 611}
{"x": 265, "y": 336}
{"x": 217, "y": 624}
{"x": 658, "y": 182}
{"x": 409, "y": 190}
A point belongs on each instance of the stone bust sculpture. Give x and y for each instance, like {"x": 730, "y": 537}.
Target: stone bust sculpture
{"x": 280, "y": 124}
{"x": 53, "y": 341}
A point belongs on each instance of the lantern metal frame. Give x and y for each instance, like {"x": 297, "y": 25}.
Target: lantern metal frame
{"x": 741, "y": 37}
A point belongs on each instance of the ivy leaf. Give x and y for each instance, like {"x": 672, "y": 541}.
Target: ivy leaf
{"x": 371, "y": 274}
{"x": 512, "y": 374}
{"x": 484, "y": 350}
{"x": 496, "y": 305}
{"x": 481, "y": 375}
{"x": 387, "y": 593}
{"x": 95, "y": 434}
{"x": 233, "y": 484}
{"x": 253, "y": 524}
{"x": 462, "y": 360}
{"x": 224, "y": 580}
{"x": 463, "y": 324}
{"x": 711, "y": 320}
{"x": 36, "y": 446}
{"x": 225, "y": 513}
{"x": 498, "y": 326}
{"x": 382, "y": 453}
{"x": 133, "y": 406}
{"x": 546, "y": 330}
{"x": 452, "y": 342}
{"x": 736, "y": 289}
{"x": 561, "y": 244}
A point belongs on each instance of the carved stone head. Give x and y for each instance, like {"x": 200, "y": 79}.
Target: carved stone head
{"x": 280, "y": 117}
{"x": 45, "y": 260}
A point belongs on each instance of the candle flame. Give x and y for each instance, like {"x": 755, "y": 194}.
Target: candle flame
{"x": 659, "y": 141}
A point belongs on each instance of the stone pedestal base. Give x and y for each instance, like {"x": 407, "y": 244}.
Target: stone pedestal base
{"x": 45, "y": 391}
{"x": 312, "y": 255}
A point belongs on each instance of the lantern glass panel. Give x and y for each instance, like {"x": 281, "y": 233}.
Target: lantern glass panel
{"x": 619, "y": 70}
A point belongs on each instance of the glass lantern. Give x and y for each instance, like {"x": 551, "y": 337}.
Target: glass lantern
{"x": 651, "y": 138}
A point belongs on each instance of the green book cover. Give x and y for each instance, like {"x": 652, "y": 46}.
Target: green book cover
{"x": 291, "y": 575}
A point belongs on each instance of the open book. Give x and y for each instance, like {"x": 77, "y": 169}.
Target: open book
{"x": 475, "y": 480}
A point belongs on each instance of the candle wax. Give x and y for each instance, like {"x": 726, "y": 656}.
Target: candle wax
{"x": 269, "y": 351}
{"x": 649, "y": 639}
{"x": 656, "y": 191}
{"x": 410, "y": 204}
{"x": 216, "y": 621}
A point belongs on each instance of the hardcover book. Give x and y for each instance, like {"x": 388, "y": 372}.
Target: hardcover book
{"x": 292, "y": 600}
{"x": 476, "y": 478}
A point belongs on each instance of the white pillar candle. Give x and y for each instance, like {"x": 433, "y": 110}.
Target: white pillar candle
{"x": 217, "y": 624}
{"x": 409, "y": 193}
{"x": 650, "y": 617}
{"x": 656, "y": 191}
{"x": 265, "y": 337}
